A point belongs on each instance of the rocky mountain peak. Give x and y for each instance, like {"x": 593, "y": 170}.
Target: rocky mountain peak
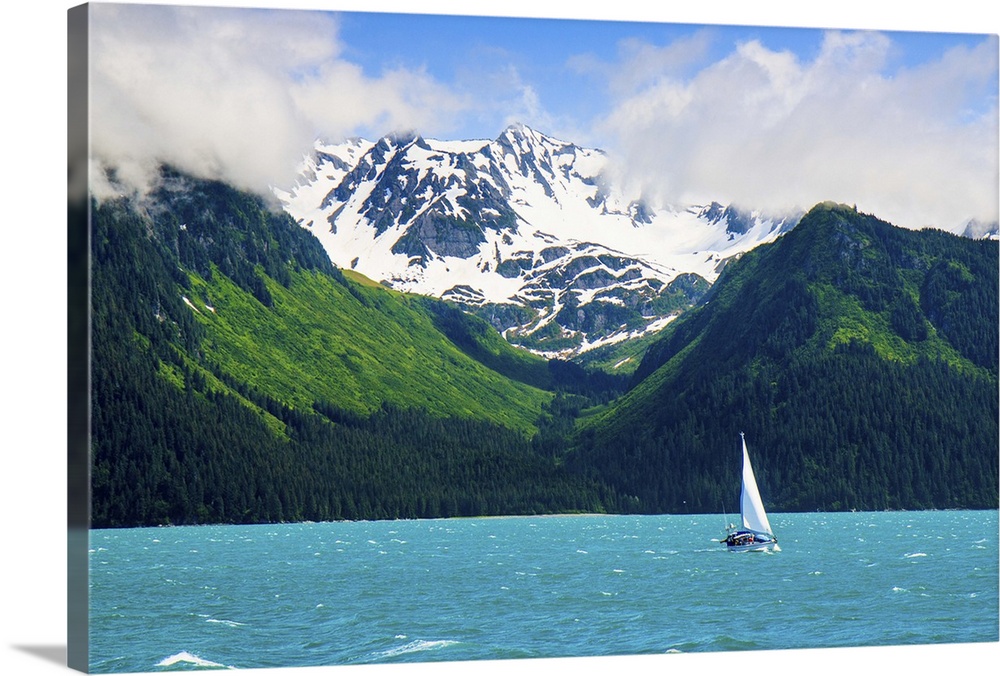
{"x": 525, "y": 230}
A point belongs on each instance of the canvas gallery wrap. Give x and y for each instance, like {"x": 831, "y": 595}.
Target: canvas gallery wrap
{"x": 425, "y": 338}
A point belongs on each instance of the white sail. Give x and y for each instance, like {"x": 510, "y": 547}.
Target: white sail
{"x": 751, "y": 506}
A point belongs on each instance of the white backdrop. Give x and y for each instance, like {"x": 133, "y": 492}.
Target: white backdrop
{"x": 33, "y": 327}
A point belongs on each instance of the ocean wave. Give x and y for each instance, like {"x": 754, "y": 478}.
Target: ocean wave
{"x": 186, "y": 659}
{"x": 228, "y": 623}
{"x": 413, "y": 647}
{"x": 914, "y": 555}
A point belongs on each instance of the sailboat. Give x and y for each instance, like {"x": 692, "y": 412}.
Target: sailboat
{"x": 756, "y": 534}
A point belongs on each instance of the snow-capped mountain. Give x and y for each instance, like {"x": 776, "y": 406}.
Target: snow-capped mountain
{"x": 975, "y": 229}
{"x": 525, "y": 230}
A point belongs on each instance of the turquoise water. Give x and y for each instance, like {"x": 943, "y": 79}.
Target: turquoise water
{"x": 501, "y": 588}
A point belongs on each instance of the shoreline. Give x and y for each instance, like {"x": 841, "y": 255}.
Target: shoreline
{"x": 532, "y": 516}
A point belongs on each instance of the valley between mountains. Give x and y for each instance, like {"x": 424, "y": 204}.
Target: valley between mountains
{"x": 431, "y": 329}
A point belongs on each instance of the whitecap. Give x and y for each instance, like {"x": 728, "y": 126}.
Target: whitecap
{"x": 415, "y": 647}
{"x": 228, "y": 623}
{"x": 914, "y": 555}
{"x": 187, "y": 658}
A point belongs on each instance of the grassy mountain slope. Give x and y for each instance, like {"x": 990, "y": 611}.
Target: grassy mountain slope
{"x": 353, "y": 347}
{"x": 859, "y": 358}
{"x": 317, "y": 334}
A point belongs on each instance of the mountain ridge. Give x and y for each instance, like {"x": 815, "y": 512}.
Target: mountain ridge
{"x": 857, "y": 355}
{"x": 239, "y": 377}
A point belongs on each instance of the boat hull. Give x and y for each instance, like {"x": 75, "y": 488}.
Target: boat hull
{"x": 750, "y": 541}
{"x": 754, "y": 547}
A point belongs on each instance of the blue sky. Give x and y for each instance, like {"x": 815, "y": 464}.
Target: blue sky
{"x": 549, "y": 53}
{"x": 903, "y": 123}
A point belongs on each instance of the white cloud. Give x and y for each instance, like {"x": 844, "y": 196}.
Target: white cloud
{"x": 235, "y": 94}
{"x": 505, "y": 91}
{"x": 646, "y": 63}
{"x": 341, "y": 100}
{"x": 768, "y": 129}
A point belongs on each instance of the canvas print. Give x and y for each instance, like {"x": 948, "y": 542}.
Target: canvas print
{"x": 426, "y": 338}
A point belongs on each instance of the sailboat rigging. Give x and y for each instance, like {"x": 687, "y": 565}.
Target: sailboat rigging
{"x": 756, "y": 533}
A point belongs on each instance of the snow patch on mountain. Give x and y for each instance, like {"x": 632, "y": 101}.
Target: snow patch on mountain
{"x": 525, "y": 229}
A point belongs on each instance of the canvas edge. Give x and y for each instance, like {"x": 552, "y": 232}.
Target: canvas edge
{"x": 78, "y": 339}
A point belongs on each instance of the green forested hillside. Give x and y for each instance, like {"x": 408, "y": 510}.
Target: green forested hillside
{"x": 238, "y": 377}
{"x": 859, "y": 358}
